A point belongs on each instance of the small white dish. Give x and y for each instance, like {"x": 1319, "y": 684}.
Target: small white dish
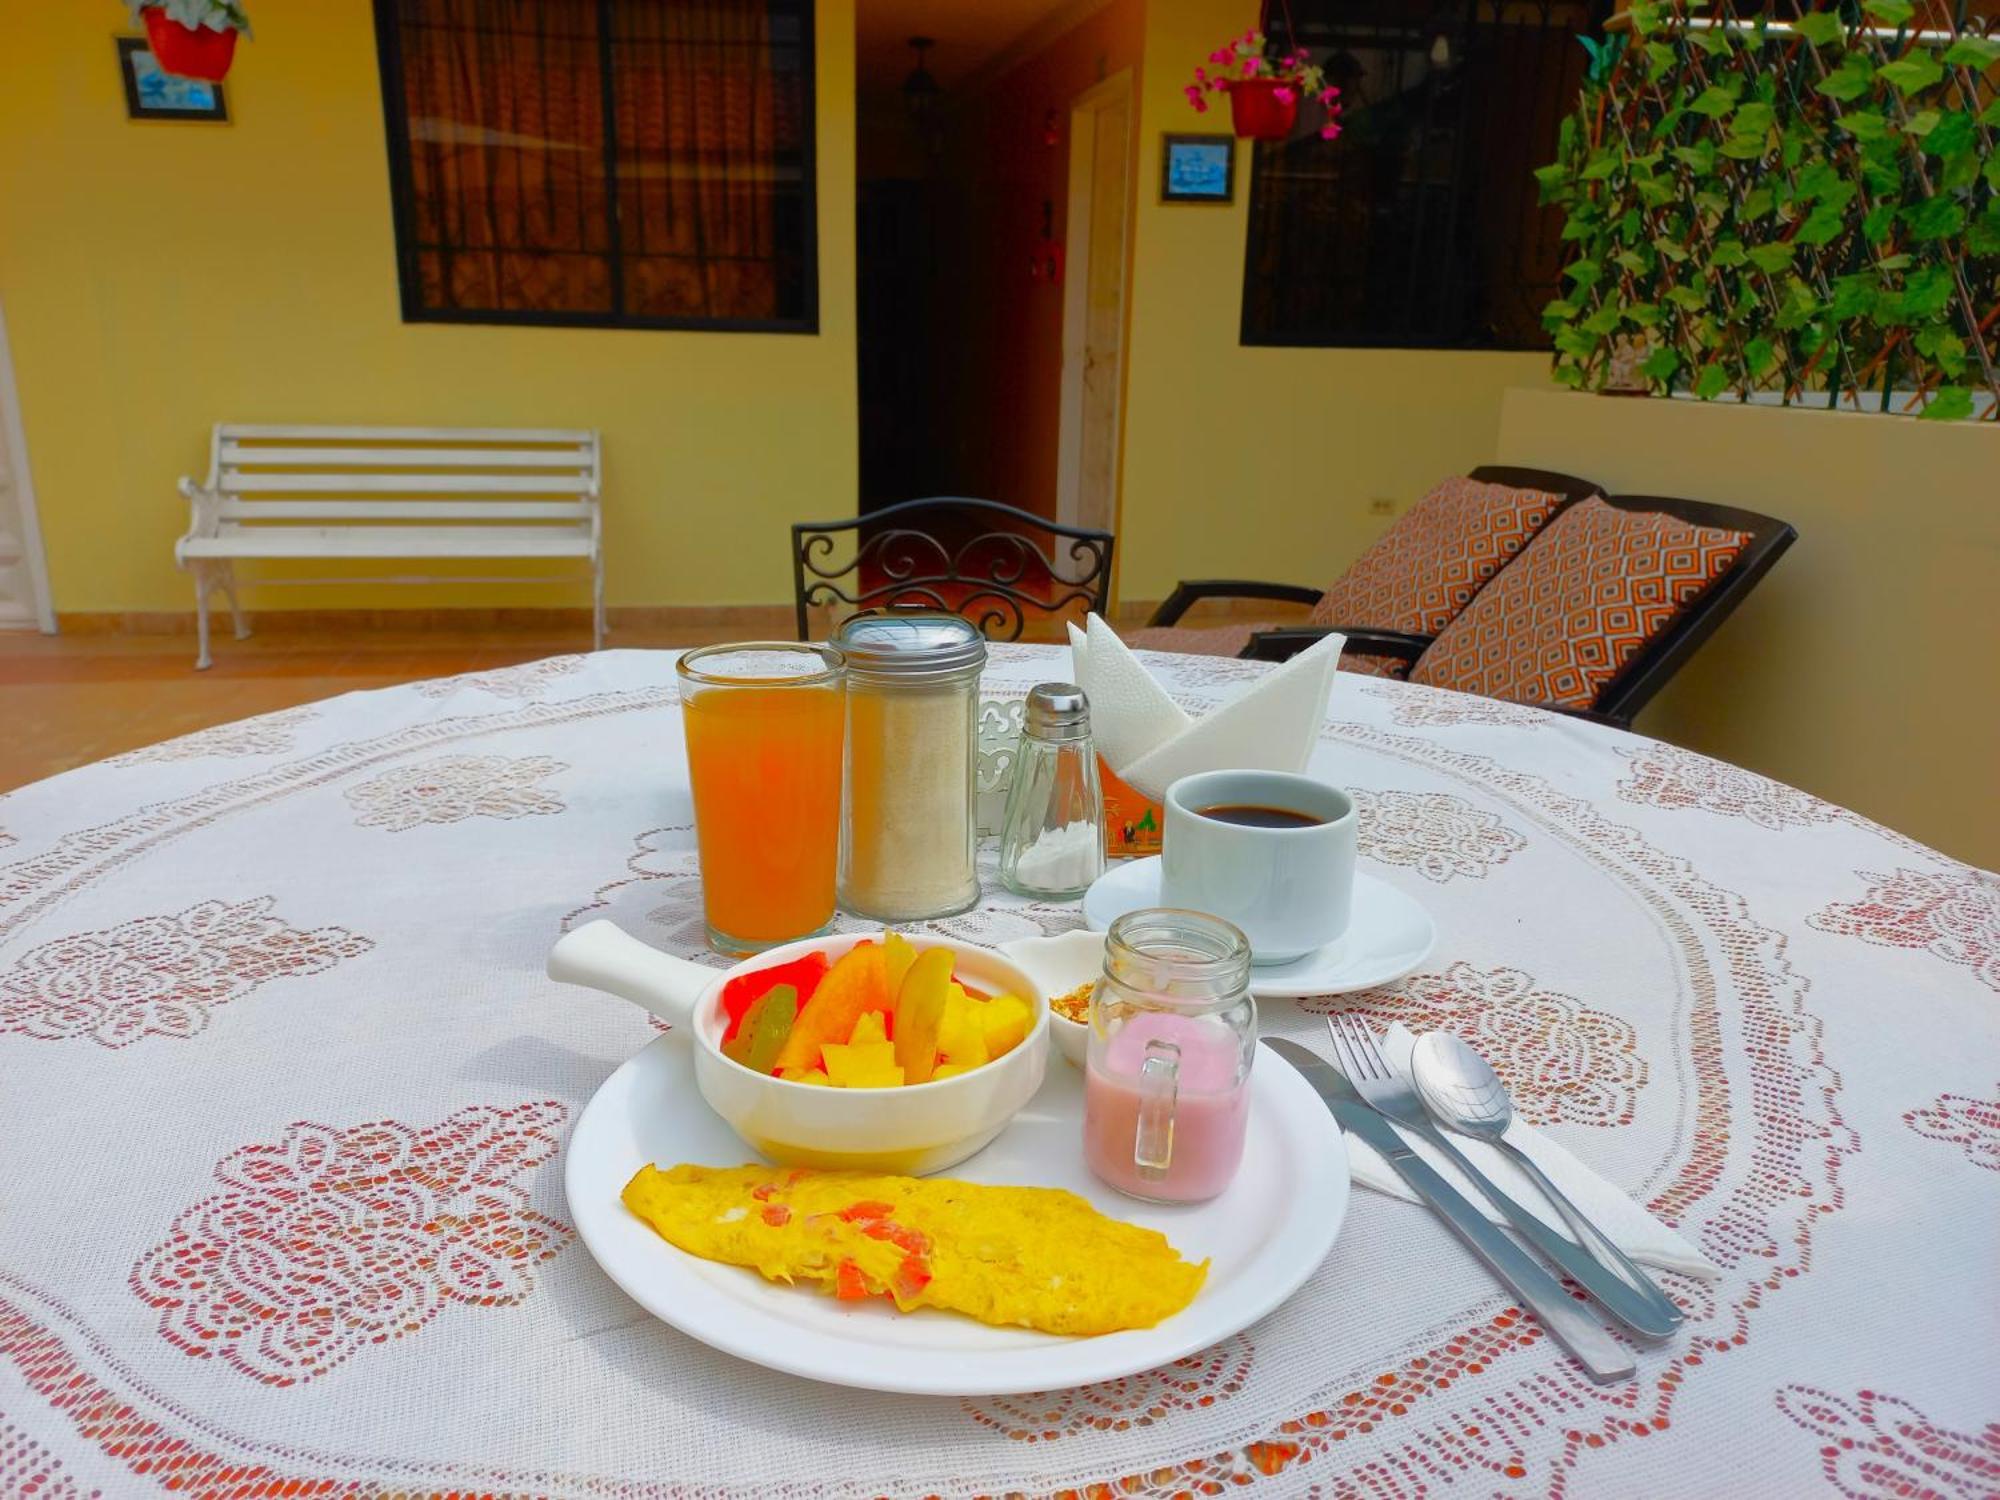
{"x": 1388, "y": 935}
{"x": 1059, "y": 965}
{"x": 1263, "y": 1236}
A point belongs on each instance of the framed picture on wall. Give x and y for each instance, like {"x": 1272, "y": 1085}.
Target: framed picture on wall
{"x": 1197, "y": 168}
{"x": 152, "y": 93}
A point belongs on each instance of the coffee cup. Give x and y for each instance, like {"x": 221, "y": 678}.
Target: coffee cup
{"x": 1270, "y": 851}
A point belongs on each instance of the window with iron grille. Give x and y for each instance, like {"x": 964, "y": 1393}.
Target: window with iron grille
{"x": 642, "y": 163}
{"x": 1418, "y": 227}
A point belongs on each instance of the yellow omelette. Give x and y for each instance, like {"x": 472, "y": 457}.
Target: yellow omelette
{"x": 1010, "y": 1256}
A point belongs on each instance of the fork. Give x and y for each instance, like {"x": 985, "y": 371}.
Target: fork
{"x": 1393, "y": 1096}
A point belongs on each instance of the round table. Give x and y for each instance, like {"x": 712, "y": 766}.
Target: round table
{"x": 284, "y": 1092}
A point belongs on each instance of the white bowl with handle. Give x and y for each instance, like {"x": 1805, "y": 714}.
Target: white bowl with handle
{"x": 913, "y": 1129}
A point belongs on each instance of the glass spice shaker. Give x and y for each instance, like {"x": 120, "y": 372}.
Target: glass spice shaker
{"x": 1052, "y": 836}
{"x": 908, "y": 816}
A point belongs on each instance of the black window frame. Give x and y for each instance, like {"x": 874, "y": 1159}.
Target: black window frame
{"x": 388, "y": 48}
{"x": 1319, "y": 34}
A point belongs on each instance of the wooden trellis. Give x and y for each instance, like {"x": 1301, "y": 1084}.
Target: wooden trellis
{"x": 1806, "y": 206}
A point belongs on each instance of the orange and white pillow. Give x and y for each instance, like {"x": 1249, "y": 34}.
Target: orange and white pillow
{"x": 1575, "y": 608}
{"x": 1433, "y": 561}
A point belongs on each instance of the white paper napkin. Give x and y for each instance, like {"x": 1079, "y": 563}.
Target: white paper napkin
{"x": 1151, "y": 742}
{"x": 1636, "y": 1232}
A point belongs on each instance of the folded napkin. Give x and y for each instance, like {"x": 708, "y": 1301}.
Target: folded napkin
{"x": 1151, "y": 742}
{"x": 1636, "y": 1232}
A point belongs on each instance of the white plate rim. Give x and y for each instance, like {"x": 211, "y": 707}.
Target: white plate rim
{"x": 1275, "y": 982}
{"x": 668, "y": 1287}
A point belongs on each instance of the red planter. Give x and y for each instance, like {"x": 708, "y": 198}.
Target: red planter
{"x": 1255, "y": 108}
{"x": 188, "y": 51}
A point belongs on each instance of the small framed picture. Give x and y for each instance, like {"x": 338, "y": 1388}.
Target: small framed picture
{"x": 1197, "y": 169}
{"x": 152, "y": 93}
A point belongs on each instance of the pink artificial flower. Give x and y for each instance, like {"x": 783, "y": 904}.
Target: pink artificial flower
{"x": 1283, "y": 95}
{"x": 1251, "y": 39}
{"x": 1193, "y": 92}
{"x": 1252, "y": 66}
{"x": 1223, "y": 55}
{"x": 1327, "y": 96}
{"x": 1201, "y": 75}
{"x": 1330, "y": 130}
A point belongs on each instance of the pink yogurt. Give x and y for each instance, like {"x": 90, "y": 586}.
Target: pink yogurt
{"x": 1210, "y": 1112}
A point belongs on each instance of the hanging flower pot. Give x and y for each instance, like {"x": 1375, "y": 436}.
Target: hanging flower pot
{"x": 1265, "y": 90}
{"x": 1263, "y": 109}
{"x": 192, "y": 38}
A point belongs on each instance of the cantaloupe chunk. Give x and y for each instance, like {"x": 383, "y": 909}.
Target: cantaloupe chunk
{"x": 858, "y": 983}
{"x": 1007, "y": 1019}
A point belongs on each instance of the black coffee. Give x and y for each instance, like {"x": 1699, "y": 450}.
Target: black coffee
{"x": 1255, "y": 815}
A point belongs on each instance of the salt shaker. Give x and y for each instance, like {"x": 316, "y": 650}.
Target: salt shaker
{"x": 1052, "y": 837}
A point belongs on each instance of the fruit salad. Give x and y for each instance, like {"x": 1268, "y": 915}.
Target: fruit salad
{"x": 881, "y": 1016}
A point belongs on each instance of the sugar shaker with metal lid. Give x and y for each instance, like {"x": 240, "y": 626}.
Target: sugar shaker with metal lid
{"x": 909, "y": 807}
{"x": 1052, "y": 837}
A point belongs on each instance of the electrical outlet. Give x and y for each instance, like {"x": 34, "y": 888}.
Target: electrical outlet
{"x": 1381, "y": 506}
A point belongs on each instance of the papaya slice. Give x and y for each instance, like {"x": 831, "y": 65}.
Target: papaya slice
{"x": 859, "y": 982}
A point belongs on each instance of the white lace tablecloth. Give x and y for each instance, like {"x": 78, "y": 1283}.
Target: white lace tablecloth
{"x": 284, "y": 1092}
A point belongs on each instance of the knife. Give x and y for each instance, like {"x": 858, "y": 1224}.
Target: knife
{"x": 1566, "y": 1320}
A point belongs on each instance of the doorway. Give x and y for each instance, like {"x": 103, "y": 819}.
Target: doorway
{"x": 24, "y": 577}
{"x": 1093, "y": 364}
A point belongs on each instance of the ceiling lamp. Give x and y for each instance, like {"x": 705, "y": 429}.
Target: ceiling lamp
{"x": 920, "y": 89}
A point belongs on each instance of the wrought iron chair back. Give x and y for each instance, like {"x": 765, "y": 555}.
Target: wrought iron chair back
{"x": 975, "y": 558}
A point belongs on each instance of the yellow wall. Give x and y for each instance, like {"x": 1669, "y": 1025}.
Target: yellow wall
{"x": 1862, "y": 668}
{"x": 1261, "y": 462}
{"x": 158, "y": 277}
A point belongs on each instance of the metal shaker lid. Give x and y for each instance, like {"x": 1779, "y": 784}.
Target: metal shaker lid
{"x": 1057, "y": 711}
{"x": 910, "y": 646}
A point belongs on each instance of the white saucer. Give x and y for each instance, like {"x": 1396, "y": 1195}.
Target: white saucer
{"x": 1388, "y": 935}
{"x": 1263, "y": 1237}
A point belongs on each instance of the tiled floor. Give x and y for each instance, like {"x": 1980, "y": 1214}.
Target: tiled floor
{"x": 68, "y": 700}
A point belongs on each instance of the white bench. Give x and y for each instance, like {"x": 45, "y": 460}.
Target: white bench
{"x": 391, "y": 492}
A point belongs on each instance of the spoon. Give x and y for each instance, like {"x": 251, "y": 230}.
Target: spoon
{"x": 1463, "y": 1093}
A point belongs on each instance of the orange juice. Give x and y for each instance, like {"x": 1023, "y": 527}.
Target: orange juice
{"x": 764, "y": 759}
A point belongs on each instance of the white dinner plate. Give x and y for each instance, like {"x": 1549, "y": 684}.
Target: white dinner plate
{"x": 1264, "y": 1236}
{"x": 1388, "y": 934}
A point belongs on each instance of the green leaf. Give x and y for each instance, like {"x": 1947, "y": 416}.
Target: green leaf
{"x": 1982, "y": 237}
{"x": 1570, "y": 376}
{"x": 1756, "y": 115}
{"x": 1744, "y": 147}
{"x": 1853, "y": 296}
{"x": 1690, "y": 298}
{"x": 1992, "y": 175}
{"x": 1991, "y": 114}
{"x": 1654, "y": 192}
{"x": 1922, "y": 123}
{"x": 1889, "y": 12}
{"x": 1660, "y": 364}
{"x": 1952, "y": 134}
{"x": 1913, "y": 72}
{"x": 1757, "y": 203}
{"x": 1927, "y": 292}
{"x": 1714, "y": 101}
{"x": 1630, "y": 261}
{"x": 1672, "y": 251}
{"x": 1850, "y": 80}
{"x": 1818, "y": 180}
{"x": 1973, "y": 52}
{"x": 1581, "y": 222}
{"x": 1822, "y": 226}
{"x": 1644, "y": 314}
{"x": 1601, "y": 165}
{"x": 1822, "y": 28}
{"x": 1559, "y": 311}
{"x": 1659, "y": 58}
{"x": 1935, "y": 218}
{"x": 1603, "y": 321}
{"x": 1894, "y": 262}
{"x": 1962, "y": 170}
{"x": 1728, "y": 253}
{"x": 1574, "y": 341}
{"x": 1711, "y": 382}
{"x": 1772, "y": 258}
{"x": 1551, "y": 179}
{"x": 1865, "y": 125}
{"x": 1715, "y": 41}
{"x": 1945, "y": 347}
{"x": 1758, "y": 357}
{"x": 1700, "y": 156}
{"x": 1584, "y": 272}
{"x": 1951, "y": 403}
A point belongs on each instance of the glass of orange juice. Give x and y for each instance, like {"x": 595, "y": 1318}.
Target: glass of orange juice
{"x": 763, "y": 725}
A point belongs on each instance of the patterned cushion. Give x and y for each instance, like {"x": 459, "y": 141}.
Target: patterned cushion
{"x": 1596, "y": 586}
{"x": 1440, "y": 552}
{"x": 1231, "y": 640}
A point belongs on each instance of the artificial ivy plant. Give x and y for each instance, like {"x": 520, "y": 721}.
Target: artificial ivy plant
{"x": 1809, "y": 208}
